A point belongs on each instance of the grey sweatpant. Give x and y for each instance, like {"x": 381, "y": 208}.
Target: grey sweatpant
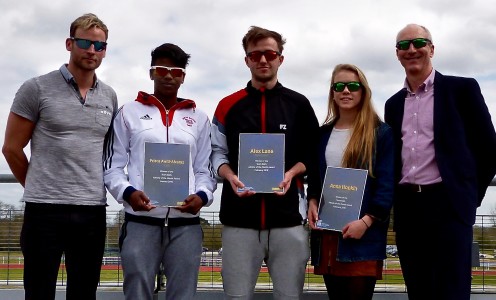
{"x": 146, "y": 246}
{"x": 285, "y": 250}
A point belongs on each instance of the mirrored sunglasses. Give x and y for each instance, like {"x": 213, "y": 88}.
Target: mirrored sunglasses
{"x": 86, "y": 44}
{"x": 256, "y": 56}
{"x": 163, "y": 71}
{"x": 353, "y": 86}
{"x": 417, "y": 43}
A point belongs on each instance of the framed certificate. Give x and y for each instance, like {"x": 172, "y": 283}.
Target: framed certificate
{"x": 342, "y": 196}
{"x": 166, "y": 173}
{"x": 261, "y": 161}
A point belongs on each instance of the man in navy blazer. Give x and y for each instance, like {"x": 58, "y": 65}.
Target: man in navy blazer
{"x": 445, "y": 159}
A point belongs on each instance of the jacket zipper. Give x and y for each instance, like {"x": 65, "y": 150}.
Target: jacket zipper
{"x": 263, "y": 125}
{"x": 167, "y": 124}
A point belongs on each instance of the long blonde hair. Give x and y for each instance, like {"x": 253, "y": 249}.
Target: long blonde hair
{"x": 359, "y": 152}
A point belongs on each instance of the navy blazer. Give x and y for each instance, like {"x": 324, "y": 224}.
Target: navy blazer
{"x": 464, "y": 141}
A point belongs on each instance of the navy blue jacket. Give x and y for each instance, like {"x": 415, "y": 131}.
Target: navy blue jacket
{"x": 377, "y": 198}
{"x": 464, "y": 141}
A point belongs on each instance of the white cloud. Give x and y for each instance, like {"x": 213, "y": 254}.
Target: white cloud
{"x": 319, "y": 33}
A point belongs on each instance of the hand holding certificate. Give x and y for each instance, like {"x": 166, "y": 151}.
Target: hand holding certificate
{"x": 166, "y": 173}
{"x": 342, "y": 196}
{"x": 261, "y": 162}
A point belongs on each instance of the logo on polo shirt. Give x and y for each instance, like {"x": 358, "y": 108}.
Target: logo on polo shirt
{"x": 146, "y": 117}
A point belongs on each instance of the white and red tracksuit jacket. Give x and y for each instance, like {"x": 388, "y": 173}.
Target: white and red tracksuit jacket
{"x": 147, "y": 120}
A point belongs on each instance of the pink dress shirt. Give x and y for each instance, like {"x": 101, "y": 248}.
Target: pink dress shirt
{"x": 418, "y": 153}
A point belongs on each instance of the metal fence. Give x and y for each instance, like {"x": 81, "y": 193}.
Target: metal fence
{"x": 11, "y": 260}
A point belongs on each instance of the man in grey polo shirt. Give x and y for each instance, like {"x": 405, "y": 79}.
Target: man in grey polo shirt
{"x": 66, "y": 115}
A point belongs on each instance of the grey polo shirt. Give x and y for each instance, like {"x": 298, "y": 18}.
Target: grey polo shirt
{"x": 67, "y": 144}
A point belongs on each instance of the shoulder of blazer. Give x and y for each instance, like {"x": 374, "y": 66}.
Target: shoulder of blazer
{"x": 453, "y": 81}
{"x": 393, "y": 109}
{"x": 397, "y": 99}
{"x": 455, "y": 88}
{"x": 441, "y": 81}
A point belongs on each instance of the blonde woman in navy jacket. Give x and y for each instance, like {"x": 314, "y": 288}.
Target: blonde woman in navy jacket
{"x": 354, "y": 137}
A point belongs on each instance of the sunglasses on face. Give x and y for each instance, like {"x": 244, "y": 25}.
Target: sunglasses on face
{"x": 256, "y": 56}
{"x": 353, "y": 86}
{"x": 417, "y": 43}
{"x": 86, "y": 44}
{"x": 164, "y": 71}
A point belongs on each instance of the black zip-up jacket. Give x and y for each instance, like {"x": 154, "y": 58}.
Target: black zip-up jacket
{"x": 286, "y": 112}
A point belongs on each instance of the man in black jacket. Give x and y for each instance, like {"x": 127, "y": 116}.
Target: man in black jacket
{"x": 264, "y": 227}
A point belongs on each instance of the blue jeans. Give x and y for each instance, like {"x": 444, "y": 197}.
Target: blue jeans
{"x": 48, "y": 231}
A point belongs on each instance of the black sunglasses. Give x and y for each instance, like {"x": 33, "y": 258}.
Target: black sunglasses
{"x": 256, "y": 56}
{"x": 417, "y": 43}
{"x": 353, "y": 86}
{"x": 86, "y": 44}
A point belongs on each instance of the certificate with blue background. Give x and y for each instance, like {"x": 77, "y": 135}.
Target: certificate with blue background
{"x": 166, "y": 173}
{"x": 342, "y": 195}
{"x": 261, "y": 161}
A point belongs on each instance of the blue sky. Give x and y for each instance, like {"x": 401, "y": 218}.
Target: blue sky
{"x": 319, "y": 33}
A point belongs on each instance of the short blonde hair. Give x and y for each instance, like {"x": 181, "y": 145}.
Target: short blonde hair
{"x": 86, "y": 22}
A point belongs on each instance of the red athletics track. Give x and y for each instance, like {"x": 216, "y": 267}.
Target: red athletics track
{"x": 262, "y": 270}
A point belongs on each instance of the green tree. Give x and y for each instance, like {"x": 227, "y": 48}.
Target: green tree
{"x": 212, "y": 230}
{"x": 10, "y": 227}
